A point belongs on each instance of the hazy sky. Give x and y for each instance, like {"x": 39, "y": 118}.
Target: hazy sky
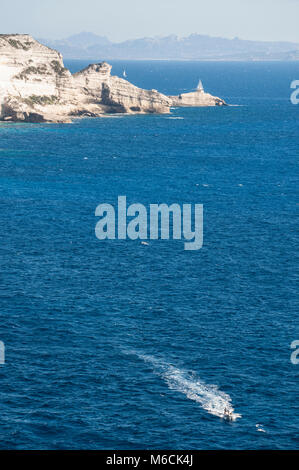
{"x": 127, "y": 19}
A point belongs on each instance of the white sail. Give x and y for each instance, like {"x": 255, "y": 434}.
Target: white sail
{"x": 124, "y": 74}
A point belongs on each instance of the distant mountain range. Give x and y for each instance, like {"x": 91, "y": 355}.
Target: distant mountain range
{"x": 194, "y": 47}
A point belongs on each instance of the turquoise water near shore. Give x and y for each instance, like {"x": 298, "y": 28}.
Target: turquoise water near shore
{"x": 118, "y": 345}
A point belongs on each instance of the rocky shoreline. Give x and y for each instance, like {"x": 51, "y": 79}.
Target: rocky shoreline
{"x": 36, "y": 87}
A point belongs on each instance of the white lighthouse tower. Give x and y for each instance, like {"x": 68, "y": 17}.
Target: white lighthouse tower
{"x": 200, "y": 87}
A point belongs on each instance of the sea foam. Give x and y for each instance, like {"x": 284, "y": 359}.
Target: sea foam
{"x": 208, "y": 396}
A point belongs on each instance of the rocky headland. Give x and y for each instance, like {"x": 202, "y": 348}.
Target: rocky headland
{"x": 36, "y": 87}
{"x": 196, "y": 98}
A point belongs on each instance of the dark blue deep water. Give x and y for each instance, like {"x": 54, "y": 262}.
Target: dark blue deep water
{"x": 119, "y": 345}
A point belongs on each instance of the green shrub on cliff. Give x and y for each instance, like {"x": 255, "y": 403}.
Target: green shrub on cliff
{"x": 57, "y": 67}
{"x": 18, "y": 44}
{"x": 41, "y": 100}
{"x": 40, "y": 70}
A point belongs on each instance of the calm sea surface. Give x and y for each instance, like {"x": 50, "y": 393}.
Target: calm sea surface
{"x": 118, "y": 345}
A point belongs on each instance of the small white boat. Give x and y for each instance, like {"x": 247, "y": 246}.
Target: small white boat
{"x": 229, "y": 415}
{"x": 124, "y": 74}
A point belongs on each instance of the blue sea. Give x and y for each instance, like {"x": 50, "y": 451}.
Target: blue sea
{"x": 119, "y": 345}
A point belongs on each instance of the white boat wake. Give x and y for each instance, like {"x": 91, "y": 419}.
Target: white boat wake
{"x": 209, "y": 397}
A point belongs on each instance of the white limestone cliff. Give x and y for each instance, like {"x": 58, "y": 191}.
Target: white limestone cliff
{"x": 117, "y": 95}
{"x": 36, "y": 87}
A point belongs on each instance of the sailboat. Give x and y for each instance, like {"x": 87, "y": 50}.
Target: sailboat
{"x": 124, "y": 74}
{"x": 200, "y": 86}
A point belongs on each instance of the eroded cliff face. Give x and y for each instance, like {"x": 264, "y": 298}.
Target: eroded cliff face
{"x": 31, "y": 77}
{"x": 116, "y": 94}
{"x": 36, "y": 87}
